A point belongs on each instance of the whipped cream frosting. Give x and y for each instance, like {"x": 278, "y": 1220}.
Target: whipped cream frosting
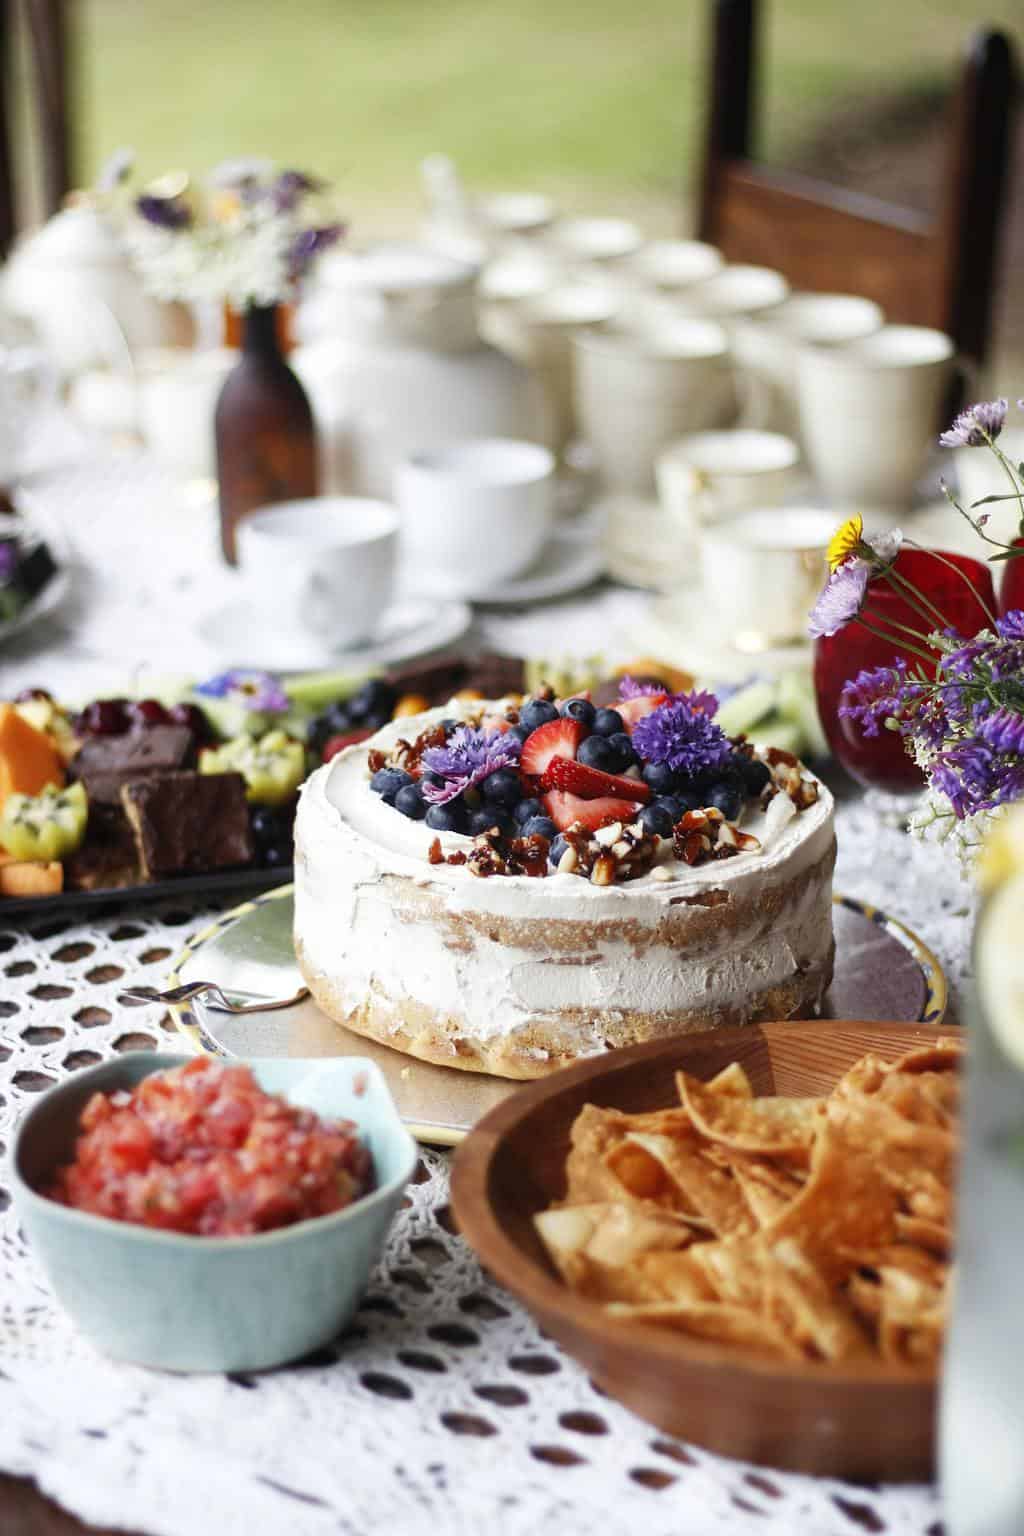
{"x": 352, "y": 848}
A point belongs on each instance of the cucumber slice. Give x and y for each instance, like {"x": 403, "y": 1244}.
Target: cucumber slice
{"x": 797, "y": 702}
{"x": 738, "y": 715}
{"x": 315, "y": 690}
{"x": 775, "y": 731}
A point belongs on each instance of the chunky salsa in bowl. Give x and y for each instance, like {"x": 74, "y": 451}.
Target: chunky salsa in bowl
{"x": 195, "y": 1214}
{"x": 203, "y": 1149}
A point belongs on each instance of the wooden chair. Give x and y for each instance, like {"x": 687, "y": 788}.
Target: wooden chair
{"x": 46, "y": 22}
{"x": 937, "y": 271}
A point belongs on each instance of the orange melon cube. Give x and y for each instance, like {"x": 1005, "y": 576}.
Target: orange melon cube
{"x": 28, "y": 758}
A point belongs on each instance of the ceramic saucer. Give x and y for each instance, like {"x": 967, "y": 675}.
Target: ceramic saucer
{"x": 882, "y": 972}
{"x": 680, "y": 628}
{"x": 412, "y": 626}
{"x": 566, "y": 564}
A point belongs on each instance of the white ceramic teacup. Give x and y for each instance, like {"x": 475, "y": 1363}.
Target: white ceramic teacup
{"x": 474, "y": 513}
{"x": 672, "y": 266}
{"x": 324, "y": 565}
{"x": 762, "y": 570}
{"x": 597, "y": 240}
{"x": 708, "y": 476}
{"x": 736, "y": 291}
{"x": 639, "y": 389}
{"x": 869, "y": 412}
{"x": 177, "y": 393}
{"x": 540, "y": 333}
{"x": 766, "y": 346}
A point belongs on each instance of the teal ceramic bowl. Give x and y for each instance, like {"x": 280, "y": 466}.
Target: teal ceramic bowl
{"x": 184, "y": 1303}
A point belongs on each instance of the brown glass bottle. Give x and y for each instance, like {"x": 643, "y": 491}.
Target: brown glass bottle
{"x": 266, "y": 440}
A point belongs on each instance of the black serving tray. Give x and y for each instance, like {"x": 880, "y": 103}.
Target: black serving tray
{"x": 225, "y": 882}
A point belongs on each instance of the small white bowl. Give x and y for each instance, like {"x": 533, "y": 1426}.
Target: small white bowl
{"x": 323, "y": 564}
{"x": 474, "y": 513}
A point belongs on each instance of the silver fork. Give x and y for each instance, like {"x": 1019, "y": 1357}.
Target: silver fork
{"x": 141, "y": 997}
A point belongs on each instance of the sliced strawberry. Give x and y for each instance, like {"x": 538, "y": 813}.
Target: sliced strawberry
{"x": 591, "y": 783}
{"x": 566, "y": 810}
{"x": 559, "y": 738}
{"x": 335, "y": 744}
{"x": 633, "y": 710}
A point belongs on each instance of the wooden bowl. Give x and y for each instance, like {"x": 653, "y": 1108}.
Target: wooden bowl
{"x": 872, "y": 1422}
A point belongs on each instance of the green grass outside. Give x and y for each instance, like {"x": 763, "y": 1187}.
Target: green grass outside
{"x": 596, "y": 101}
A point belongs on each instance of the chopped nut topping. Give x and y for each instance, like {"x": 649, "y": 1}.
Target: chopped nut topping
{"x": 603, "y": 872}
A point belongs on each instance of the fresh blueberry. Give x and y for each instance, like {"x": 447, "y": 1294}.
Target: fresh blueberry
{"x": 276, "y": 855}
{"x": 489, "y": 816}
{"x": 581, "y": 710}
{"x": 335, "y": 721}
{"x": 450, "y": 817}
{"x": 661, "y": 777}
{"x": 656, "y": 818}
{"x": 690, "y": 798}
{"x": 607, "y": 722}
{"x": 727, "y": 797}
{"x": 753, "y": 773}
{"x": 557, "y": 849}
{"x": 596, "y": 752}
{"x": 375, "y": 698}
{"x": 386, "y": 782}
{"x": 265, "y": 824}
{"x": 502, "y": 787}
{"x": 540, "y": 826}
{"x": 537, "y": 712}
{"x": 624, "y": 748}
{"x": 409, "y": 800}
{"x": 437, "y": 779}
{"x": 448, "y": 725}
{"x": 527, "y": 808}
{"x": 520, "y": 732}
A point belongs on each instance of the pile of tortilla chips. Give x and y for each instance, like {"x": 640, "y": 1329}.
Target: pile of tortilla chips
{"x": 803, "y": 1229}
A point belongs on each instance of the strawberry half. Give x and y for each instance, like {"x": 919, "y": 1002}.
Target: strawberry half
{"x": 335, "y": 744}
{"x": 566, "y": 810}
{"x": 633, "y": 710}
{"x": 559, "y": 738}
{"x": 591, "y": 783}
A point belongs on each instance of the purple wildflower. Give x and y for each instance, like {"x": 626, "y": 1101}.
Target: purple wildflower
{"x": 880, "y": 694}
{"x": 978, "y": 425}
{"x": 258, "y": 691}
{"x": 468, "y": 757}
{"x": 290, "y": 187}
{"x": 974, "y": 777}
{"x": 988, "y": 657}
{"x": 841, "y": 598}
{"x": 683, "y": 734}
{"x": 8, "y": 560}
{"x": 629, "y": 688}
{"x": 1011, "y": 625}
{"x": 1001, "y": 728}
{"x": 308, "y": 245}
{"x": 164, "y": 212}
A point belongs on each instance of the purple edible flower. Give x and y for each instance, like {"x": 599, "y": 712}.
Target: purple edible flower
{"x": 629, "y": 688}
{"x": 164, "y": 212}
{"x": 1001, "y": 728}
{"x": 1011, "y": 625}
{"x": 309, "y": 244}
{"x": 841, "y": 598}
{"x": 683, "y": 734}
{"x": 8, "y": 560}
{"x": 468, "y": 757}
{"x": 978, "y": 425}
{"x": 973, "y": 777}
{"x": 258, "y": 691}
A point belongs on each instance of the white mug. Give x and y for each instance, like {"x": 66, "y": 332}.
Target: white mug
{"x": 595, "y": 240}
{"x": 474, "y": 513}
{"x": 324, "y": 565}
{"x": 540, "y": 333}
{"x": 869, "y": 412}
{"x": 762, "y": 570}
{"x": 766, "y": 347}
{"x": 637, "y": 390}
{"x": 672, "y": 266}
{"x": 708, "y": 476}
{"x": 736, "y": 291}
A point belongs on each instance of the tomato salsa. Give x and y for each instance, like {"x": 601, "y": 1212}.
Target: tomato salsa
{"x": 203, "y": 1149}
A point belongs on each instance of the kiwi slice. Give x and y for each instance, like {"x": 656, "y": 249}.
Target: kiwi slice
{"x": 273, "y": 765}
{"x": 50, "y": 825}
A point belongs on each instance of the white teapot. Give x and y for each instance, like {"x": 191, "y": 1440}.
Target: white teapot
{"x": 73, "y": 279}
{"x": 394, "y": 363}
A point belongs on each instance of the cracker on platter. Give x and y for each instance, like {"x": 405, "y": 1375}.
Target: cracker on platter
{"x": 800, "y": 1229}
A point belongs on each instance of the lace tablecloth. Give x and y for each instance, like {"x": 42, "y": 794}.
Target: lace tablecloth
{"x": 443, "y": 1408}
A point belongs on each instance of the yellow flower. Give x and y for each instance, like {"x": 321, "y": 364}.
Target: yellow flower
{"x": 844, "y": 541}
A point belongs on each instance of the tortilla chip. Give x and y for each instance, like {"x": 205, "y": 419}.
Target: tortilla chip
{"x": 805, "y": 1307}
{"x": 711, "y": 1320}
{"x": 697, "y": 1185}
{"x": 933, "y": 1236}
{"x": 774, "y": 1127}
{"x": 595, "y": 1133}
{"x": 944, "y": 1054}
{"x": 767, "y": 1187}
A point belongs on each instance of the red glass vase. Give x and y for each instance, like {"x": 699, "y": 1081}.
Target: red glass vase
{"x": 964, "y": 596}
{"x": 1011, "y": 588}
{"x": 265, "y": 437}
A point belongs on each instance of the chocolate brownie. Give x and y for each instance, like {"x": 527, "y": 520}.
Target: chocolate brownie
{"x": 105, "y": 763}
{"x": 185, "y": 823}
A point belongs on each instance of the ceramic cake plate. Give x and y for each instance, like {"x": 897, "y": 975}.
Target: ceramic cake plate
{"x": 883, "y": 972}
